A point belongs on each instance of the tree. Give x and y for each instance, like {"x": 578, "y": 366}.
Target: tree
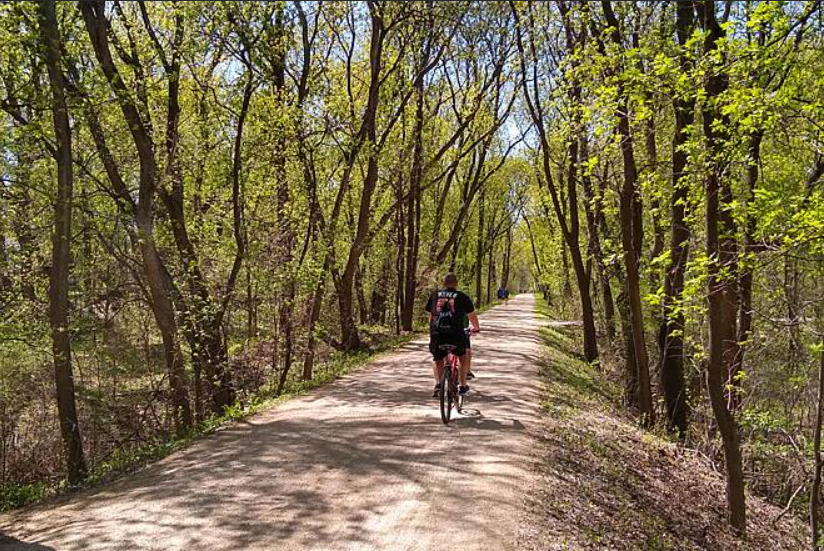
{"x": 155, "y": 271}
{"x": 722, "y": 255}
{"x": 61, "y": 247}
{"x": 671, "y": 331}
{"x": 570, "y": 227}
{"x": 631, "y": 228}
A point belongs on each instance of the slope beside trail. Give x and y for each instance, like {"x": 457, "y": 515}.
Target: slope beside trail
{"x": 363, "y": 463}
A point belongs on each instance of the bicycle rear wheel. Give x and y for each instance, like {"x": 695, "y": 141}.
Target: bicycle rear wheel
{"x": 446, "y": 394}
{"x": 459, "y": 398}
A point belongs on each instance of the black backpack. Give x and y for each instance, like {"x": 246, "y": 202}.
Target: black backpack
{"x": 445, "y": 321}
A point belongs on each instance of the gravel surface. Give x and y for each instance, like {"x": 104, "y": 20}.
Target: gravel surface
{"x": 363, "y": 463}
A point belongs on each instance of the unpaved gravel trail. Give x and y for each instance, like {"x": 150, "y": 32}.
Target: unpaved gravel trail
{"x": 363, "y": 463}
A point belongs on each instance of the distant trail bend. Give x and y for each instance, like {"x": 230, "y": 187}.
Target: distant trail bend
{"x": 363, "y": 463}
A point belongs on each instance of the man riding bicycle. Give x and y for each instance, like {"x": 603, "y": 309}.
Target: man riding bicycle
{"x": 447, "y": 309}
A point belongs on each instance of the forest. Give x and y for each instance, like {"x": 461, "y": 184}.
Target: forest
{"x": 205, "y": 206}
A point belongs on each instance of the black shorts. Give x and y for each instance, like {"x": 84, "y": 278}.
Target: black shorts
{"x": 435, "y": 341}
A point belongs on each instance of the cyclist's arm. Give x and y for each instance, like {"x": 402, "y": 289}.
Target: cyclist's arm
{"x": 473, "y": 321}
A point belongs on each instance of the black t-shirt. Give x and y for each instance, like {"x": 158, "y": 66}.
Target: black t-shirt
{"x": 462, "y": 303}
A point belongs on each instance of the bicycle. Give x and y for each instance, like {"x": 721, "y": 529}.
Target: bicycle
{"x": 449, "y": 384}
{"x": 449, "y": 392}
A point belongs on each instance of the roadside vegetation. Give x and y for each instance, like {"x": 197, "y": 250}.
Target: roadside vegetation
{"x": 605, "y": 483}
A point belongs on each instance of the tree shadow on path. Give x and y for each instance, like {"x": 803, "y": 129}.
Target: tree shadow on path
{"x": 8, "y": 543}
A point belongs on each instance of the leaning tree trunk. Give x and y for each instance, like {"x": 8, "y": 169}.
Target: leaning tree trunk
{"x": 61, "y": 248}
{"x": 568, "y": 221}
{"x": 350, "y": 337}
{"x": 157, "y": 277}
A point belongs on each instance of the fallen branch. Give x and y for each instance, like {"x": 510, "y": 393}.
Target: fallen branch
{"x": 786, "y": 509}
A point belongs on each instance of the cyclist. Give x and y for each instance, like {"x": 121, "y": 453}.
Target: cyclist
{"x": 503, "y": 294}
{"x": 447, "y": 308}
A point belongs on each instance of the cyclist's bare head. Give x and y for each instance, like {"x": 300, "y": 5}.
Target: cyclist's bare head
{"x": 450, "y": 280}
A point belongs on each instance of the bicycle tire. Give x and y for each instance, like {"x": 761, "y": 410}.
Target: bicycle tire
{"x": 456, "y": 385}
{"x": 446, "y": 395}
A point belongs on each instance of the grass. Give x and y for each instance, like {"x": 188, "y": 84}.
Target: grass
{"x": 571, "y": 383}
{"x": 125, "y": 461}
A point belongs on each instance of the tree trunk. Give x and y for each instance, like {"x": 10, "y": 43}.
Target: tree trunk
{"x": 378, "y": 299}
{"x": 251, "y": 308}
{"x": 363, "y": 308}
{"x": 200, "y": 310}
{"x": 815, "y": 491}
{"x": 311, "y": 340}
{"x": 5, "y": 279}
{"x": 631, "y": 373}
{"x": 507, "y": 260}
{"x": 583, "y": 275}
{"x": 286, "y": 236}
{"x": 745, "y": 312}
{"x": 61, "y": 248}
{"x": 491, "y": 272}
{"x": 594, "y": 215}
{"x": 400, "y": 263}
{"x": 630, "y": 232}
{"x": 479, "y": 252}
{"x": 566, "y": 286}
{"x": 350, "y": 338}
{"x": 288, "y": 338}
{"x": 631, "y": 237}
{"x": 721, "y": 284}
{"x": 671, "y": 330}
{"x": 413, "y": 209}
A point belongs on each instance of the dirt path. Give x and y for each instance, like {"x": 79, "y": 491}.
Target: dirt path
{"x": 363, "y": 463}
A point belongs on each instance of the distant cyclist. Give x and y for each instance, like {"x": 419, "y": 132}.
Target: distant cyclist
{"x": 447, "y": 309}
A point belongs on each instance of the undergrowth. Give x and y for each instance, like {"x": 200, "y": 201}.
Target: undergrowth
{"x": 124, "y": 461}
